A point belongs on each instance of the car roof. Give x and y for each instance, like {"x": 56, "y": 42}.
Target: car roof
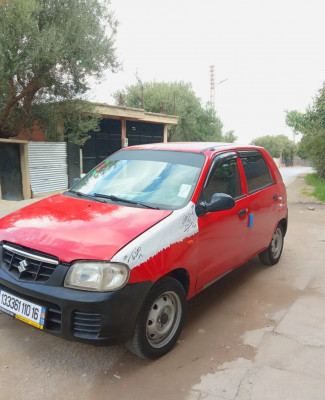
{"x": 193, "y": 147}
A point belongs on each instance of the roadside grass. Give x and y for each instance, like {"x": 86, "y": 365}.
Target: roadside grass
{"x": 318, "y": 186}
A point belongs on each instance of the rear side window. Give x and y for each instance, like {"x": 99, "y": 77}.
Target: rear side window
{"x": 256, "y": 170}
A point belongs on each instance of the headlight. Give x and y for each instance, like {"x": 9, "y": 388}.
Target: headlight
{"x": 98, "y": 276}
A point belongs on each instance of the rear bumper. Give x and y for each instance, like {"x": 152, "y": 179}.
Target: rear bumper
{"x": 92, "y": 317}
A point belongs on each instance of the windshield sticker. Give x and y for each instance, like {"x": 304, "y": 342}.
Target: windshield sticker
{"x": 100, "y": 167}
{"x": 184, "y": 191}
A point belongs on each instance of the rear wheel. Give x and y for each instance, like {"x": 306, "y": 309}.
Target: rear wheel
{"x": 272, "y": 254}
{"x": 160, "y": 320}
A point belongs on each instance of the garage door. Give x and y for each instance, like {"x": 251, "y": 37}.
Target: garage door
{"x": 47, "y": 166}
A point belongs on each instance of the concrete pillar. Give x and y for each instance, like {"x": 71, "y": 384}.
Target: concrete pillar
{"x": 123, "y": 132}
{"x": 81, "y": 162}
{"x": 165, "y": 133}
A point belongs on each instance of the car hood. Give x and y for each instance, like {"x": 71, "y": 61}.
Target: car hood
{"x": 73, "y": 228}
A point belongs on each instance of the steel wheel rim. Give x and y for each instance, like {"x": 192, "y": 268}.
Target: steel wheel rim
{"x": 163, "y": 319}
{"x": 276, "y": 244}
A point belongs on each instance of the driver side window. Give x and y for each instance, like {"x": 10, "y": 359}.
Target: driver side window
{"x": 224, "y": 179}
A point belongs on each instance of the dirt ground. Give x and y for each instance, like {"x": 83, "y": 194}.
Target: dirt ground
{"x": 236, "y": 343}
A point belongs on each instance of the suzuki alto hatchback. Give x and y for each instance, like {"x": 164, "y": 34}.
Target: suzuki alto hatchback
{"x": 115, "y": 258}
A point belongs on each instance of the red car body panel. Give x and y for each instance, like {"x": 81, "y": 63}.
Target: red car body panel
{"x": 76, "y": 229}
{"x": 180, "y": 255}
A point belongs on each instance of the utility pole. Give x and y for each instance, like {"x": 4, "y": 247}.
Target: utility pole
{"x": 212, "y": 87}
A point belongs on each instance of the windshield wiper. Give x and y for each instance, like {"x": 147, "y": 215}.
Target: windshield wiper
{"x": 115, "y": 198}
{"x": 81, "y": 194}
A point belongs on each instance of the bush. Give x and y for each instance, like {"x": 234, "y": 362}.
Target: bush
{"x": 318, "y": 185}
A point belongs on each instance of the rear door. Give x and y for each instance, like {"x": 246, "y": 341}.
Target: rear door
{"x": 263, "y": 197}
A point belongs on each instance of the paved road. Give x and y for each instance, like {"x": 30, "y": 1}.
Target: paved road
{"x": 290, "y": 174}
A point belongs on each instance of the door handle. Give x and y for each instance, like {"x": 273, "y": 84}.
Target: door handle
{"x": 242, "y": 212}
{"x": 275, "y": 197}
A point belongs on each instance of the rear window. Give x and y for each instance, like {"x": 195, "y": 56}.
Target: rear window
{"x": 256, "y": 170}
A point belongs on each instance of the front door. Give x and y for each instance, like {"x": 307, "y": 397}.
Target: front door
{"x": 222, "y": 234}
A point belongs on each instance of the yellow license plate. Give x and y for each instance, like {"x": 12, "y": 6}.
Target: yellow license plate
{"x": 24, "y": 310}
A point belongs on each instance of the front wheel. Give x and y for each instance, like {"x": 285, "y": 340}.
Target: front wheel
{"x": 272, "y": 254}
{"x": 160, "y": 320}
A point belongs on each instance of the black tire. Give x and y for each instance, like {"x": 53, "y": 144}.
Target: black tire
{"x": 272, "y": 254}
{"x": 160, "y": 320}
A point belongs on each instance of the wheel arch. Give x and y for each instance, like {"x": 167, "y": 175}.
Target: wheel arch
{"x": 284, "y": 224}
{"x": 181, "y": 275}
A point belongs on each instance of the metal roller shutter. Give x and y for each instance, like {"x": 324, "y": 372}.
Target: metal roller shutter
{"x": 47, "y": 166}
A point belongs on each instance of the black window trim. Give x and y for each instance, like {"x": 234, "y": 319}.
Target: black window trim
{"x": 261, "y": 188}
{"x": 249, "y": 153}
{"x": 219, "y": 159}
{"x": 252, "y": 153}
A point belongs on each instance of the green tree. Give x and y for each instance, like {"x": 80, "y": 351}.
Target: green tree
{"x": 312, "y": 126}
{"x": 71, "y": 120}
{"x": 48, "y": 50}
{"x": 296, "y": 120}
{"x": 278, "y": 146}
{"x": 195, "y": 122}
{"x": 230, "y": 137}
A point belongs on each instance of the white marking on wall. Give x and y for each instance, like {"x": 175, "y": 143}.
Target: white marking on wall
{"x": 175, "y": 228}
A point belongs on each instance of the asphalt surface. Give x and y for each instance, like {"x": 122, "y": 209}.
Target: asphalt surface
{"x": 290, "y": 174}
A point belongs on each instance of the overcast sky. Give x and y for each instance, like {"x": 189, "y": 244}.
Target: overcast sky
{"x": 272, "y": 54}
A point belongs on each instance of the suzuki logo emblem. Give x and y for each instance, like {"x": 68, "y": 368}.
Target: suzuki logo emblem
{"x": 23, "y": 266}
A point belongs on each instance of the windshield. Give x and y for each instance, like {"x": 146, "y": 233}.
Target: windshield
{"x": 156, "y": 178}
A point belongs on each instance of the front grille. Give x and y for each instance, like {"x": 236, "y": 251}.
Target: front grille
{"x": 86, "y": 325}
{"x": 27, "y": 265}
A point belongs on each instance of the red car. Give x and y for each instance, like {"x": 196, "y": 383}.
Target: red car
{"x": 115, "y": 258}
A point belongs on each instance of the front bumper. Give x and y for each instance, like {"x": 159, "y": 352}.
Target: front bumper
{"x": 99, "y": 318}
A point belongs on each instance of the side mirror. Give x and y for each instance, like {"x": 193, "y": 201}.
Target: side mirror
{"x": 218, "y": 202}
